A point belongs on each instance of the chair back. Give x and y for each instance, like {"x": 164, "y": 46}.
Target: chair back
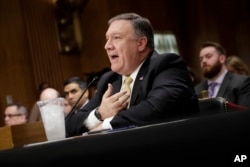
{"x": 212, "y": 105}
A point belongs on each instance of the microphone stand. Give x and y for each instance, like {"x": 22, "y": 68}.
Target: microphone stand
{"x": 73, "y": 108}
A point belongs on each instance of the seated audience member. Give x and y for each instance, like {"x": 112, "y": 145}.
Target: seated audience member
{"x": 41, "y": 87}
{"x": 73, "y": 89}
{"x": 15, "y": 114}
{"x": 219, "y": 81}
{"x": 161, "y": 87}
{"x": 237, "y": 65}
{"x": 46, "y": 94}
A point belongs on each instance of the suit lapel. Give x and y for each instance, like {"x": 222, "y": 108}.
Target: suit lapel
{"x": 224, "y": 85}
{"x": 139, "y": 80}
{"x": 136, "y": 89}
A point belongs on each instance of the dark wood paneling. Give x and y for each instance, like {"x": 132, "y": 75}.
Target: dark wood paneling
{"x": 16, "y": 77}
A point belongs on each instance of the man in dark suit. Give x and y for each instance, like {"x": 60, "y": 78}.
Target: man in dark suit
{"x": 73, "y": 88}
{"x": 162, "y": 88}
{"x": 233, "y": 87}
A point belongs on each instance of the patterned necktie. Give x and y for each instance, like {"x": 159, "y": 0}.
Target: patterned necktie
{"x": 211, "y": 87}
{"x": 126, "y": 84}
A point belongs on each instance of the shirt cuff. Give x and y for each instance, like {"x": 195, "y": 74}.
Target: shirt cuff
{"x": 106, "y": 123}
{"x": 91, "y": 120}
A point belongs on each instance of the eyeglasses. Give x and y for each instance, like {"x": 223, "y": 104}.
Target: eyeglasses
{"x": 12, "y": 115}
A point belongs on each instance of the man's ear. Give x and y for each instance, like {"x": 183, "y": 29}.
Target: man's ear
{"x": 142, "y": 43}
{"x": 223, "y": 58}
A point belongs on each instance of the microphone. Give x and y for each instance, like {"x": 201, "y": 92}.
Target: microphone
{"x": 73, "y": 108}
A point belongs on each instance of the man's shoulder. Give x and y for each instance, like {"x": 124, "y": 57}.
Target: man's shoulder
{"x": 236, "y": 77}
{"x": 236, "y": 80}
{"x": 108, "y": 76}
{"x": 165, "y": 59}
{"x": 165, "y": 56}
{"x": 200, "y": 84}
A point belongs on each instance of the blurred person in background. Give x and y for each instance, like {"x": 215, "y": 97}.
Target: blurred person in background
{"x": 15, "y": 114}
{"x": 46, "y": 94}
{"x": 219, "y": 81}
{"x": 236, "y": 65}
{"x": 73, "y": 88}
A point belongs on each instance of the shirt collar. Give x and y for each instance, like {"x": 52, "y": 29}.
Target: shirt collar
{"x": 219, "y": 80}
{"x": 134, "y": 74}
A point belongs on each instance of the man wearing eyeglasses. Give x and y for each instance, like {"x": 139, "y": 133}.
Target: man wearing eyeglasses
{"x": 15, "y": 114}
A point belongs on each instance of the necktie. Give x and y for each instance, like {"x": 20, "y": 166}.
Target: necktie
{"x": 211, "y": 87}
{"x": 126, "y": 84}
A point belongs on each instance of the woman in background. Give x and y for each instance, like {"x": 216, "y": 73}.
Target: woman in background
{"x": 237, "y": 65}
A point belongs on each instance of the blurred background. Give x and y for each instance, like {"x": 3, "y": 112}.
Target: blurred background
{"x": 52, "y": 40}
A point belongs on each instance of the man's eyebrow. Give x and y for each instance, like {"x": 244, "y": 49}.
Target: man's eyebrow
{"x": 71, "y": 90}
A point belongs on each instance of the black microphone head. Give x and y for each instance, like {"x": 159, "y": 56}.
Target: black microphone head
{"x": 95, "y": 78}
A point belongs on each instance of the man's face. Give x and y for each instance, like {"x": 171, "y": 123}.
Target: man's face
{"x": 13, "y": 117}
{"x": 122, "y": 47}
{"x": 73, "y": 92}
{"x": 211, "y": 62}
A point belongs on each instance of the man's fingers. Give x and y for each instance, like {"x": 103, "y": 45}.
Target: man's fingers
{"x": 108, "y": 91}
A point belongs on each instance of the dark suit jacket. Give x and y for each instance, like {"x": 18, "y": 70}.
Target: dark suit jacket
{"x": 235, "y": 88}
{"x": 162, "y": 91}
